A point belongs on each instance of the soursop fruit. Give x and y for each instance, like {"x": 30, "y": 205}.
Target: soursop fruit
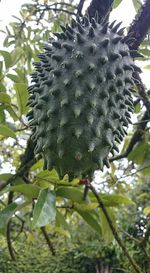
{"x": 81, "y": 97}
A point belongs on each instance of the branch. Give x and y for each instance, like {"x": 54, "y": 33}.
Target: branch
{"x": 43, "y": 229}
{"x": 135, "y": 138}
{"x": 113, "y": 229}
{"x": 80, "y": 7}
{"x": 8, "y": 229}
{"x": 140, "y": 25}
{"x": 103, "y": 8}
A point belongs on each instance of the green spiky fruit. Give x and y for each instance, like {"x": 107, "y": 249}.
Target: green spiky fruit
{"x": 81, "y": 97}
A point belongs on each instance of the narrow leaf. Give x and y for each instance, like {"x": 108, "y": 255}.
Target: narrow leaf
{"x": 4, "y": 98}
{"x": 6, "y": 131}
{"x": 22, "y": 97}
{"x": 7, "y": 58}
{"x": 70, "y": 193}
{"x": 29, "y": 190}
{"x": 89, "y": 218}
{"x": 106, "y": 231}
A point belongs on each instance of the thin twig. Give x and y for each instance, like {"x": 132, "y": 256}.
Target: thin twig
{"x": 49, "y": 243}
{"x": 113, "y": 229}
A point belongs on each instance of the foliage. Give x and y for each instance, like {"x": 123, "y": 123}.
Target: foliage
{"x": 32, "y": 197}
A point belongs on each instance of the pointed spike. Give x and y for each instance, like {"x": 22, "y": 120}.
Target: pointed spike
{"x": 64, "y": 101}
{"x": 116, "y": 115}
{"x": 78, "y": 73}
{"x": 115, "y": 28}
{"x": 105, "y": 28}
{"x": 78, "y": 93}
{"x": 128, "y": 67}
{"x": 58, "y": 35}
{"x": 124, "y": 53}
{"x": 56, "y": 44}
{"x": 91, "y": 33}
{"x": 80, "y": 28}
{"x": 63, "y": 36}
{"x": 103, "y": 60}
{"x": 93, "y": 48}
{"x": 56, "y": 72}
{"x": 105, "y": 42}
{"x": 93, "y": 22}
{"x": 78, "y": 132}
{"x": 90, "y": 119}
{"x": 115, "y": 148}
{"x": 70, "y": 29}
{"x": 119, "y": 71}
{"x": 112, "y": 24}
{"x": 67, "y": 82}
{"x": 136, "y": 68}
{"x": 114, "y": 56}
{"x": 79, "y": 55}
{"x": 60, "y": 153}
{"x": 57, "y": 57}
{"x": 124, "y": 120}
{"x": 106, "y": 162}
{"x": 63, "y": 121}
{"x": 129, "y": 80}
{"x": 117, "y": 140}
{"x": 96, "y": 17}
{"x": 73, "y": 23}
{"x": 67, "y": 46}
{"x": 121, "y": 31}
{"x": 77, "y": 110}
{"x": 91, "y": 147}
{"x": 48, "y": 47}
{"x": 69, "y": 35}
{"x": 112, "y": 152}
{"x": 135, "y": 54}
{"x": 86, "y": 21}
{"x": 63, "y": 28}
{"x": 60, "y": 139}
{"x": 80, "y": 38}
{"x": 116, "y": 40}
{"x": 91, "y": 67}
{"x": 100, "y": 164}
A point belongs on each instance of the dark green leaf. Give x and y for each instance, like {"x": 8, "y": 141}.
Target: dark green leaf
{"x": 5, "y": 216}
{"x": 70, "y": 193}
{"x": 89, "y": 218}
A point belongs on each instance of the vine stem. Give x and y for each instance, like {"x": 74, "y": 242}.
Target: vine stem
{"x": 113, "y": 229}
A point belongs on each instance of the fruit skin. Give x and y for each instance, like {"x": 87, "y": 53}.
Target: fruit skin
{"x": 81, "y": 97}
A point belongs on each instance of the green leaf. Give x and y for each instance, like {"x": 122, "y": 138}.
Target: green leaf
{"x": 22, "y": 97}
{"x": 5, "y": 216}
{"x": 7, "y": 58}
{"x": 147, "y": 211}
{"x": 13, "y": 77}
{"x": 70, "y": 193}
{"x": 89, "y": 218}
{"x": 136, "y": 4}
{"x": 29, "y": 190}
{"x": 116, "y": 3}
{"x": 147, "y": 67}
{"x": 44, "y": 211}
{"x": 60, "y": 220}
{"x": 4, "y": 98}
{"x": 116, "y": 200}
{"x": 5, "y": 176}
{"x": 106, "y": 231}
{"x": 6, "y": 131}
{"x": 11, "y": 112}
{"x": 138, "y": 153}
{"x": 2, "y": 115}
